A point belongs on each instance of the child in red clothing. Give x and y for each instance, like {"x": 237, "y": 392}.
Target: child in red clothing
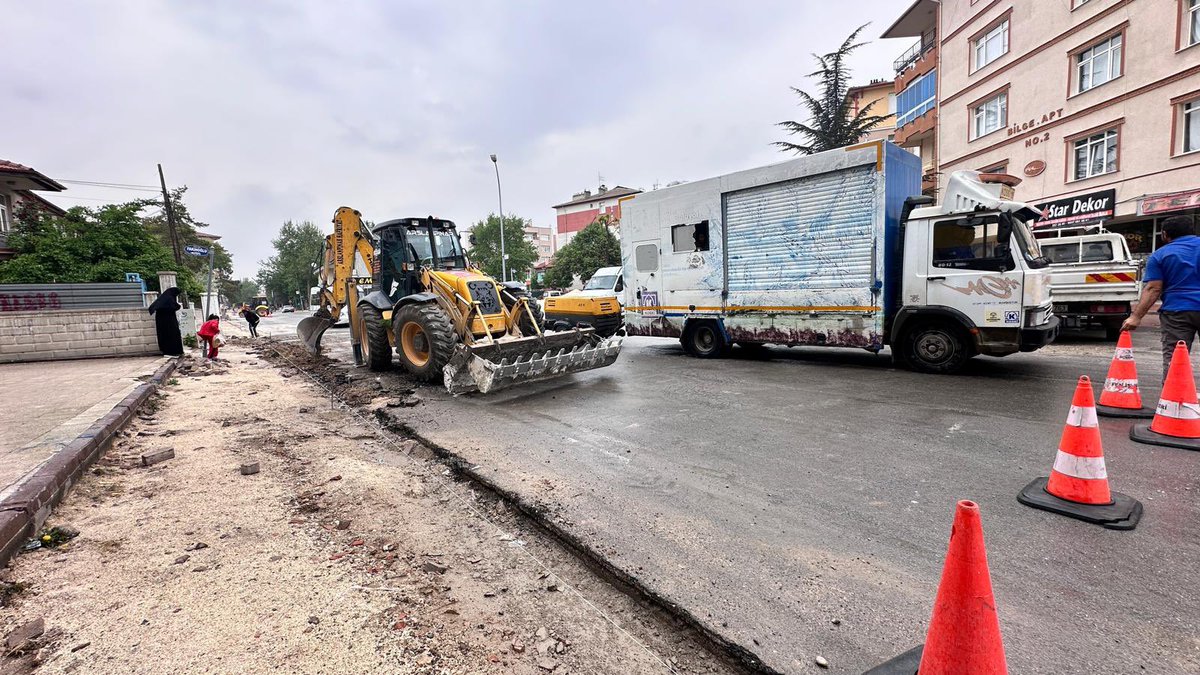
{"x": 208, "y": 332}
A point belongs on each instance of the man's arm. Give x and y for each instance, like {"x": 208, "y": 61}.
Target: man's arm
{"x": 1151, "y": 292}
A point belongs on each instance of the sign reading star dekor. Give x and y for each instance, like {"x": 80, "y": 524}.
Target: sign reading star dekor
{"x": 1086, "y": 209}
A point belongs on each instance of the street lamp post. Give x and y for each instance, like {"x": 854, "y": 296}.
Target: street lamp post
{"x": 500, "y": 198}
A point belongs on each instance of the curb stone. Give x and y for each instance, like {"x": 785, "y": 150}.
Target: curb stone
{"x": 26, "y": 510}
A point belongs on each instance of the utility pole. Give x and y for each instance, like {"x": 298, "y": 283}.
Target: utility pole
{"x": 500, "y": 198}
{"x": 170, "y": 213}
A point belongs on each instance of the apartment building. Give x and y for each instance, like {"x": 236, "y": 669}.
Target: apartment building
{"x": 542, "y": 240}
{"x": 585, "y": 207}
{"x": 1095, "y": 104}
{"x": 877, "y": 97}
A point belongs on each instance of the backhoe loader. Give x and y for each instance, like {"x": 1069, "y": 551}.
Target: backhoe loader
{"x": 445, "y": 319}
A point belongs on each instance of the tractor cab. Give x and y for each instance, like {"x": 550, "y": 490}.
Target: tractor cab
{"x": 406, "y": 245}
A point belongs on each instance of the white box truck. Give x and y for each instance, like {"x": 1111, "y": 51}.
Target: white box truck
{"x": 839, "y": 249}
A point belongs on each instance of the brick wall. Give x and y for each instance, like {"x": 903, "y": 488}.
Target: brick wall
{"x": 75, "y": 334}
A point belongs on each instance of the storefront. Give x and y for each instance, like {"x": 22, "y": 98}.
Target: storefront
{"x": 1081, "y": 213}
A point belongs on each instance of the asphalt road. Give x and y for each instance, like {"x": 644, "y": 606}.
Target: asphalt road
{"x": 801, "y": 505}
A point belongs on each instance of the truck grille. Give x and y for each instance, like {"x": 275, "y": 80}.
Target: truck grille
{"x": 484, "y": 292}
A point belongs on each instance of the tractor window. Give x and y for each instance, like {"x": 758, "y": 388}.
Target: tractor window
{"x": 690, "y": 238}
{"x": 449, "y": 249}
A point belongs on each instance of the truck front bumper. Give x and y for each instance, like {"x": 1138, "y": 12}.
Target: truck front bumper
{"x": 1040, "y": 336}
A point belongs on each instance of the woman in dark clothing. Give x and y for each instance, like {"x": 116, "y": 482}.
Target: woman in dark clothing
{"x": 251, "y": 317}
{"x": 166, "y": 324}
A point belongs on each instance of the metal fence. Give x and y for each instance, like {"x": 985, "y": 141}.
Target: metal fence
{"x": 52, "y": 297}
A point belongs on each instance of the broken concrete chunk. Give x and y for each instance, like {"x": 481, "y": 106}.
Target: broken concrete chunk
{"x": 542, "y": 633}
{"x": 19, "y": 638}
{"x": 156, "y": 456}
{"x": 434, "y": 568}
{"x": 249, "y": 469}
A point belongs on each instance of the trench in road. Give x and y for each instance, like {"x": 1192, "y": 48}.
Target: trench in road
{"x": 821, "y": 521}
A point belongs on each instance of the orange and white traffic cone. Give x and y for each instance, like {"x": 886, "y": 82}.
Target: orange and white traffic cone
{"x": 1078, "y": 483}
{"x": 964, "y": 632}
{"x": 1176, "y": 422}
{"x": 1121, "y": 397}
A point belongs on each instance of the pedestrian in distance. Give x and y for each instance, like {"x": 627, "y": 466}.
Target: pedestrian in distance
{"x": 209, "y": 332}
{"x": 251, "y": 319}
{"x": 166, "y": 323}
{"x": 1172, "y": 274}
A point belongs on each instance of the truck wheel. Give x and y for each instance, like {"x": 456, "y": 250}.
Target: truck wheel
{"x": 424, "y": 340}
{"x": 936, "y": 347}
{"x": 703, "y": 339}
{"x": 373, "y": 337}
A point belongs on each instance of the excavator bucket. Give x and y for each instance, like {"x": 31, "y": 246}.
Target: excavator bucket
{"x": 310, "y": 329}
{"x": 498, "y": 365}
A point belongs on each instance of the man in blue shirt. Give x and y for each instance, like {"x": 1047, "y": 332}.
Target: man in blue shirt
{"x": 1172, "y": 273}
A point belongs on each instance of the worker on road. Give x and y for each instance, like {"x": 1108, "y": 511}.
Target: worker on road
{"x": 208, "y": 332}
{"x": 1172, "y": 273}
{"x": 251, "y": 317}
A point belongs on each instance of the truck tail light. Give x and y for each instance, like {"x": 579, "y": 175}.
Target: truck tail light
{"x": 1108, "y": 309}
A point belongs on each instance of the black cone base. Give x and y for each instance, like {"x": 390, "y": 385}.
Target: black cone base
{"x": 1123, "y": 514}
{"x": 1128, "y": 413}
{"x": 1142, "y": 434}
{"x": 905, "y": 664}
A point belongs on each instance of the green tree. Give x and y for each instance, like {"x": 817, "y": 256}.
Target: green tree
{"x": 830, "y": 123}
{"x": 238, "y": 291}
{"x": 293, "y": 267}
{"x": 485, "y": 246}
{"x": 595, "y": 246}
{"x": 89, "y": 245}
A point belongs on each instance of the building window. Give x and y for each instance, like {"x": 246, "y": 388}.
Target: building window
{"x": 1191, "y": 22}
{"x": 1078, "y": 3}
{"x": 1002, "y": 167}
{"x": 989, "y": 116}
{"x": 5, "y": 223}
{"x": 1095, "y": 155}
{"x": 1099, "y": 63}
{"x": 1191, "y": 125}
{"x": 991, "y": 45}
{"x": 918, "y": 98}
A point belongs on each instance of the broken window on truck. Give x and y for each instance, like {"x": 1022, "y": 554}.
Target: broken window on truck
{"x": 690, "y": 238}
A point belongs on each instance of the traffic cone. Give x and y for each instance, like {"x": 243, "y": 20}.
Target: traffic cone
{"x": 964, "y": 632}
{"x": 1176, "y": 422}
{"x": 1078, "y": 483}
{"x": 1120, "y": 397}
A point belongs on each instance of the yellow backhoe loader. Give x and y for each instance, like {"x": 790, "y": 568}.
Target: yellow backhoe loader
{"x": 444, "y": 319}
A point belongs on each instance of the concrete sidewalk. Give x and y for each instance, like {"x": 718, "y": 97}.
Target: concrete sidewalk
{"x": 49, "y": 405}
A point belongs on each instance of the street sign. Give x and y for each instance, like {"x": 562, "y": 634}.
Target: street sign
{"x": 196, "y": 250}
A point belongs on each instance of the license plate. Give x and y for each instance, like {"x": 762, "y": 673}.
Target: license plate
{"x": 1060, "y": 308}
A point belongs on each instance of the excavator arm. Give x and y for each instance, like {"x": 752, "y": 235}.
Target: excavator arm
{"x": 336, "y": 276}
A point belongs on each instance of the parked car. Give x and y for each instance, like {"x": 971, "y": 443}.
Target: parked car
{"x": 287, "y": 308}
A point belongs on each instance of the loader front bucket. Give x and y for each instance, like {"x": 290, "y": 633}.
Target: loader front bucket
{"x": 491, "y": 367}
{"x": 310, "y": 329}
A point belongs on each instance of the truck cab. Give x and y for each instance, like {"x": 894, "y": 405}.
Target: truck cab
{"x": 1093, "y": 279}
{"x": 975, "y": 281}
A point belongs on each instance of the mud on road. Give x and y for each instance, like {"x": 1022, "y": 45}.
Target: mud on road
{"x": 351, "y": 550}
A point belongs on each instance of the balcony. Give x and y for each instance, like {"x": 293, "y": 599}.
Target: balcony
{"x": 913, "y": 54}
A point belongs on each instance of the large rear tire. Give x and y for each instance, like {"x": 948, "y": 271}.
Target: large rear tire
{"x": 935, "y": 347}
{"x": 372, "y": 335}
{"x": 704, "y": 340}
{"x": 425, "y": 340}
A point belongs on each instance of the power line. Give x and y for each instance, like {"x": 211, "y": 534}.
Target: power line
{"x": 117, "y": 186}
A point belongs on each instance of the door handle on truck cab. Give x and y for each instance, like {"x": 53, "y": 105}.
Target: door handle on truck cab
{"x": 935, "y": 278}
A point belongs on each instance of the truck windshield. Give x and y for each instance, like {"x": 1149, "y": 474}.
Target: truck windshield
{"x": 601, "y": 283}
{"x": 1029, "y": 246}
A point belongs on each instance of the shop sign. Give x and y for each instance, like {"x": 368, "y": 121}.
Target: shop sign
{"x": 1079, "y": 210}
{"x": 1178, "y": 201}
{"x": 1035, "y": 168}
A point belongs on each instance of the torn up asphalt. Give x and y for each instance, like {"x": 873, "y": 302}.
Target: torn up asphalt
{"x": 800, "y": 508}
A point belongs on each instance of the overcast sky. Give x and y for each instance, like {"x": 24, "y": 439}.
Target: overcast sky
{"x": 275, "y": 110}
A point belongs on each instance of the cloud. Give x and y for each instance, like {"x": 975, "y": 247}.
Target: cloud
{"x": 272, "y": 111}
